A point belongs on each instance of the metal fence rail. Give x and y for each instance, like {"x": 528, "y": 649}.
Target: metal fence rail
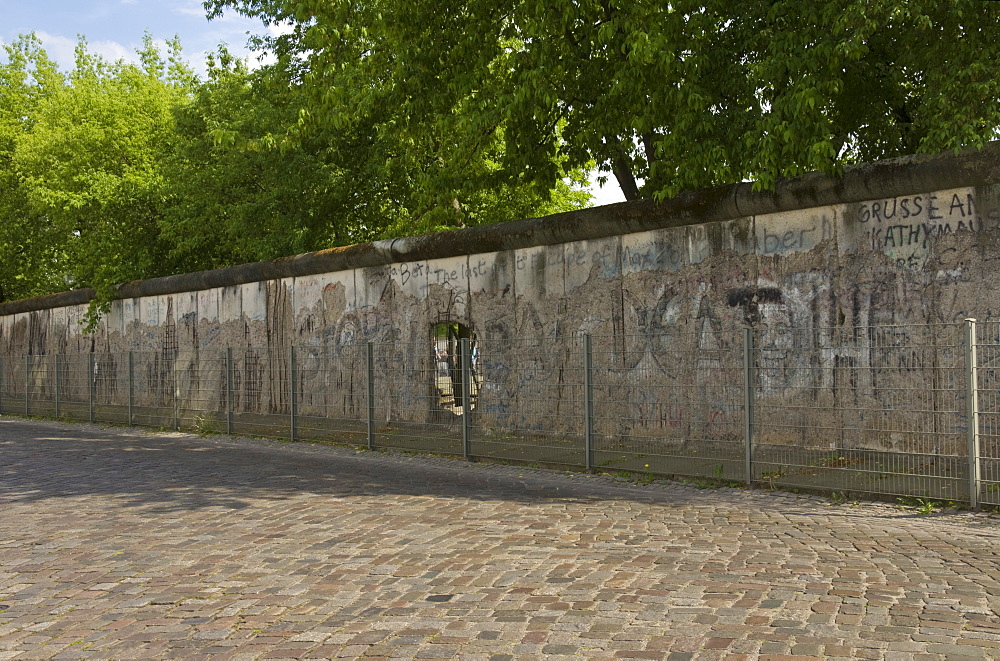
{"x": 881, "y": 410}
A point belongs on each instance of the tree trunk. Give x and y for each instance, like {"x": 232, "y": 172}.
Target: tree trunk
{"x": 622, "y": 168}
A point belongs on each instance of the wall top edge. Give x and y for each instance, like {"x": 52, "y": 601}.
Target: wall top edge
{"x": 868, "y": 181}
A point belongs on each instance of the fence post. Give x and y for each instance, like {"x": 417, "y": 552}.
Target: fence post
{"x": 55, "y": 359}
{"x": 229, "y": 390}
{"x": 588, "y": 403}
{"x": 466, "y": 402}
{"x": 370, "y": 361}
{"x": 748, "y": 404}
{"x": 293, "y": 393}
{"x": 27, "y": 385}
{"x": 1, "y": 385}
{"x": 91, "y": 386}
{"x": 972, "y": 405}
{"x": 131, "y": 386}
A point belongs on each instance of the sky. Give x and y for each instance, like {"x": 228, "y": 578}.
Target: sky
{"x": 115, "y": 28}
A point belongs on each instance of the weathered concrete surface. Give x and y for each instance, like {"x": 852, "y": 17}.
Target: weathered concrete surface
{"x": 120, "y": 544}
{"x": 813, "y": 266}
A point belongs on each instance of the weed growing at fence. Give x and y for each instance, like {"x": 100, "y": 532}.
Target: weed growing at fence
{"x": 770, "y": 477}
{"x": 920, "y": 506}
{"x": 717, "y": 480}
{"x": 838, "y": 498}
{"x": 205, "y": 426}
{"x": 833, "y": 461}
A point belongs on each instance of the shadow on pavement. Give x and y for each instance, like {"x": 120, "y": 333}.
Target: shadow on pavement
{"x": 177, "y": 471}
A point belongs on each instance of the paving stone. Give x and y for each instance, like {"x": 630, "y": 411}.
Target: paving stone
{"x": 121, "y": 544}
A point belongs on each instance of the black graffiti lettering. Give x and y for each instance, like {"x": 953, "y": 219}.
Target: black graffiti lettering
{"x": 876, "y": 209}
{"x": 904, "y": 207}
{"x": 885, "y": 209}
{"x": 932, "y": 210}
{"x": 928, "y": 233}
{"x": 477, "y": 270}
{"x": 876, "y": 239}
{"x": 790, "y": 240}
{"x": 655, "y": 257}
{"x": 890, "y": 237}
{"x": 770, "y": 242}
{"x": 956, "y": 203}
{"x": 916, "y": 202}
{"x": 444, "y": 276}
{"x": 671, "y": 254}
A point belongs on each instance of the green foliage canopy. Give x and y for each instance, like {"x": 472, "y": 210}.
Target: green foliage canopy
{"x": 90, "y": 167}
{"x": 115, "y": 172}
{"x": 30, "y": 248}
{"x": 664, "y": 95}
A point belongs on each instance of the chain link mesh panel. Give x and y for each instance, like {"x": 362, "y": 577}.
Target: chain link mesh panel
{"x": 670, "y": 404}
{"x": 413, "y": 410}
{"x": 988, "y": 373}
{"x": 332, "y": 390}
{"x": 530, "y": 404}
{"x": 879, "y": 410}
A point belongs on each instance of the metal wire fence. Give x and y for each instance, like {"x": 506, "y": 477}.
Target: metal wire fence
{"x": 875, "y": 410}
{"x": 890, "y": 411}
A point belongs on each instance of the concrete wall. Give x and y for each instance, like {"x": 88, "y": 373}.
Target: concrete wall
{"x": 912, "y": 241}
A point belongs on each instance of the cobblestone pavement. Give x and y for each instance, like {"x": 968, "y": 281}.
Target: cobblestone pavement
{"x": 124, "y": 544}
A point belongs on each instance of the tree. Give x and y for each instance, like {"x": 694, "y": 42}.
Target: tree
{"x": 236, "y": 194}
{"x": 243, "y": 191}
{"x": 118, "y": 172}
{"x": 30, "y": 249}
{"x": 90, "y": 167}
{"x": 665, "y": 96}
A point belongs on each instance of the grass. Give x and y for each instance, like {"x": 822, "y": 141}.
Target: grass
{"x": 832, "y": 461}
{"x": 839, "y": 498}
{"x": 920, "y": 506}
{"x": 717, "y": 481}
{"x": 770, "y": 477}
{"x": 206, "y": 426}
{"x": 623, "y": 458}
{"x": 646, "y": 479}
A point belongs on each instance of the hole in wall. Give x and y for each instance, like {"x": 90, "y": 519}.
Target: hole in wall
{"x": 449, "y": 370}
